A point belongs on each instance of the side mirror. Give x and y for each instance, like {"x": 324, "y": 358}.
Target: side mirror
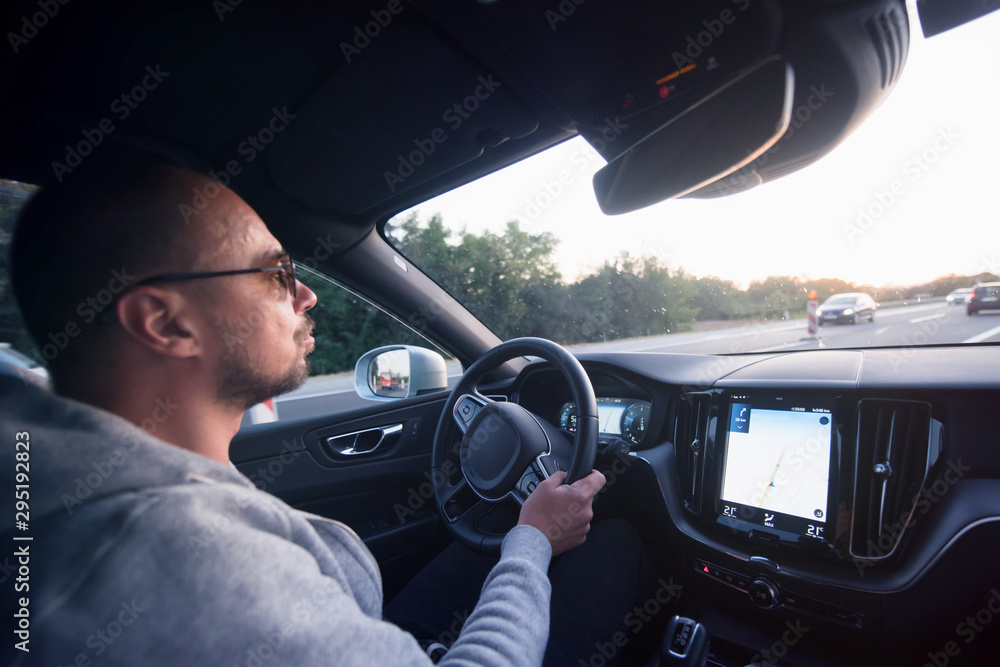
{"x": 398, "y": 371}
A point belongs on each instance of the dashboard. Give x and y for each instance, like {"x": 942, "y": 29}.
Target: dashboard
{"x": 855, "y": 493}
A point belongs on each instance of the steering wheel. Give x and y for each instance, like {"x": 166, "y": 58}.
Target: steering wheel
{"x": 505, "y": 450}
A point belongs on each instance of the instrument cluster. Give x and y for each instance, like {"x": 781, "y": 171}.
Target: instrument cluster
{"x": 624, "y": 418}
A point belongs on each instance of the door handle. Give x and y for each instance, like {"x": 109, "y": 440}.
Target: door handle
{"x": 363, "y": 442}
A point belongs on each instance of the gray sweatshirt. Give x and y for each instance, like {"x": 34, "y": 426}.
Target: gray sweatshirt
{"x": 143, "y": 553}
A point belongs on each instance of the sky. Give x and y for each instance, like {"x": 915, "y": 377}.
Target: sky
{"x": 935, "y": 140}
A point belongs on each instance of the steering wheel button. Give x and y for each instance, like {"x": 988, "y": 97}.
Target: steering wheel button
{"x": 550, "y": 465}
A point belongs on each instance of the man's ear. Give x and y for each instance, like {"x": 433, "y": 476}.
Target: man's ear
{"x": 160, "y": 320}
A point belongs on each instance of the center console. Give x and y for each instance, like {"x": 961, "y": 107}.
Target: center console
{"x": 792, "y": 497}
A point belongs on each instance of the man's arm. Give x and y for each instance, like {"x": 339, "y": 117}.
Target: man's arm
{"x": 511, "y": 621}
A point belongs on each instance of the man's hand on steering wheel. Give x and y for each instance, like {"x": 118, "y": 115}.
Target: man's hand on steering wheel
{"x": 509, "y": 455}
{"x": 562, "y": 511}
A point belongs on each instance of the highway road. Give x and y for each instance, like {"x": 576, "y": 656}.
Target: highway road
{"x": 915, "y": 325}
{"x": 922, "y": 324}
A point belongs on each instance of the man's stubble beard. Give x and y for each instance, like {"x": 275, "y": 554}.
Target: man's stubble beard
{"x": 242, "y": 382}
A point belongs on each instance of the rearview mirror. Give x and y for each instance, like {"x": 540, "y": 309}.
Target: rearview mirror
{"x": 714, "y": 137}
{"x": 399, "y": 371}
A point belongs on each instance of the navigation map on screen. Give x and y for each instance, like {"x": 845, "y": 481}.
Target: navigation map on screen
{"x": 778, "y": 460}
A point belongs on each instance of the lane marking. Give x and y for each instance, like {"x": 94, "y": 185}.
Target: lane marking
{"x": 688, "y": 337}
{"x": 936, "y": 316}
{"x": 904, "y": 311}
{"x": 978, "y": 338}
{"x": 881, "y": 330}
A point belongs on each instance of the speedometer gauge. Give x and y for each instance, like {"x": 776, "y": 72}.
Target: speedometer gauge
{"x": 567, "y": 417}
{"x": 634, "y": 422}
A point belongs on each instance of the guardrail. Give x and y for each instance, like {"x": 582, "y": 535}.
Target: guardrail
{"x": 911, "y": 301}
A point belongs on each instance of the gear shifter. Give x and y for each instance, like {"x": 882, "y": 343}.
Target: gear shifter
{"x": 685, "y": 643}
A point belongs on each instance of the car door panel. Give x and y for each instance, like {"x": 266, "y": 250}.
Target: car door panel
{"x": 385, "y": 495}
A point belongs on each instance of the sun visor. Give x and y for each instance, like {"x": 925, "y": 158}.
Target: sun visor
{"x": 392, "y": 88}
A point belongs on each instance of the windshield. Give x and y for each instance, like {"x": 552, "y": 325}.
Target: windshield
{"x": 904, "y": 210}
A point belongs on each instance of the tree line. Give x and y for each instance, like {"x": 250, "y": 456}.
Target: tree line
{"x": 511, "y": 283}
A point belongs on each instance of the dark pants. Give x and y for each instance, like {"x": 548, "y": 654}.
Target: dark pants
{"x": 607, "y": 603}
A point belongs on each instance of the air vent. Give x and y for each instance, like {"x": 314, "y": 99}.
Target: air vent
{"x": 691, "y": 435}
{"x": 898, "y": 444}
{"x": 891, "y": 38}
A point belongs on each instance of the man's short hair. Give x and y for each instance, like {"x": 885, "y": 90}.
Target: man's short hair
{"x": 78, "y": 243}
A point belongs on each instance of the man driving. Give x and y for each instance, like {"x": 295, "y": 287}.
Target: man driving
{"x": 148, "y": 547}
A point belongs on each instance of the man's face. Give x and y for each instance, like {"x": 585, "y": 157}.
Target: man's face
{"x": 259, "y": 335}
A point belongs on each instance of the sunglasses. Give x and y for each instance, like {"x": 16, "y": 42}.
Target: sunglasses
{"x": 286, "y": 273}
{"x": 287, "y": 276}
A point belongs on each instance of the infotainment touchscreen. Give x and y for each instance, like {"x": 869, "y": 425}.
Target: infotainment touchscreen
{"x": 776, "y": 467}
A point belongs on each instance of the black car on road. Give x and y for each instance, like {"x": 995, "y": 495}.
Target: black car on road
{"x": 850, "y": 308}
{"x": 983, "y": 297}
